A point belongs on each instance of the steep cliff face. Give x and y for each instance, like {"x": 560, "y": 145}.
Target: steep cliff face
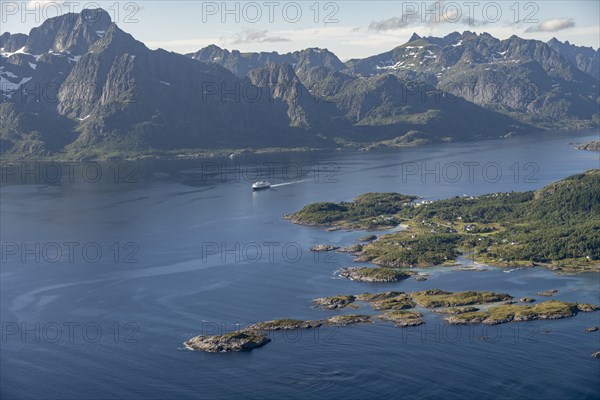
{"x": 72, "y": 33}
{"x": 118, "y": 94}
{"x": 11, "y": 43}
{"x": 239, "y": 63}
{"x": 384, "y": 106}
{"x": 585, "y": 58}
{"x": 283, "y": 86}
{"x": 166, "y": 100}
{"x": 242, "y": 63}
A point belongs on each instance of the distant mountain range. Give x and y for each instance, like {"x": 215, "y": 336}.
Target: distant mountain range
{"x": 79, "y": 87}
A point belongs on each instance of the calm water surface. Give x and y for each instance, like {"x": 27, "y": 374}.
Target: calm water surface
{"x": 113, "y": 328}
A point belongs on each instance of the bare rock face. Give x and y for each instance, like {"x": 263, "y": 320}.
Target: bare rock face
{"x": 348, "y": 319}
{"x": 235, "y": 341}
{"x": 73, "y": 33}
{"x": 585, "y": 58}
{"x": 592, "y": 329}
{"x": 11, "y": 43}
{"x": 403, "y": 318}
{"x": 284, "y": 86}
{"x": 323, "y": 248}
{"x": 526, "y": 300}
{"x": 334, "y": 302}
{"x": 526, "y": 76}
{"x": 308, "y": 64}
{"x": 373, "y": 274}
{"x": 589, "y": 146}
{"x": 284, "y": 325}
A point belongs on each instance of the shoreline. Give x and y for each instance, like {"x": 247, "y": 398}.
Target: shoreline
{"x": 226, "y": 153}
{"x": 427, "y": 236}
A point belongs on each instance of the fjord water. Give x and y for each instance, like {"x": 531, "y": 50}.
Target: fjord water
{"x": 114, "y": 329}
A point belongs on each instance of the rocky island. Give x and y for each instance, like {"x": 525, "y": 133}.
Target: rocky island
{"x": 234, "y": 341}
{"x": 396, "y": 307}
{"x": 435, "y": 298}
{"x": 256, "y": 335}
{"x": 366, "y": 274}
{"x": 370, "y": 211}
{"x": 551, "y": 309}
{"x": 589, "y": 146}
{"x": 319, "y": 248}
{"x": 402, "y": 318}
{"x": 334, "y": 302}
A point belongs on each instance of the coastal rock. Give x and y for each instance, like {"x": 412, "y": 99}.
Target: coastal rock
{"x": 368, "y": 238}
{"x": 547, "y": 310}
{"x": 334, "y": 302}
{"x": 377, "y": 296}
{"x": 373, "y": 274}
{"x": 400, "y": 302}
{"x": 354, "y": 248}
{"x": 284, "y": 325}
{"x": 323, "y": 247}
{"x": 402, "y": 318}
{"x": 435, "y": 298}
{"x": 586, "y": 307}
{"x": 349, "y": 319}
{"x": 473, "y": 269}
{"x": 466, "y": 318}
{"x": 526, "y": 300}
{"x": 547, "y": 293}
{"x": 235, "y": 341}
{"x": 456, "y": 310}
{"x": 590, "y": 146}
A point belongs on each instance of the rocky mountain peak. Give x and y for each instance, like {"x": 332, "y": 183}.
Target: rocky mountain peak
{"x": 11, "y": 43}
{"x": 414, "y": 37}
{"x": 71, "y": 32}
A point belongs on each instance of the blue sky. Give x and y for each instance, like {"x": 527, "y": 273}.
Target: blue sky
{"x": 349, "y": 28}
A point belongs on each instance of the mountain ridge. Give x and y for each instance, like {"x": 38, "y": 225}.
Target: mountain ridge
{"x": 78, "y": 86}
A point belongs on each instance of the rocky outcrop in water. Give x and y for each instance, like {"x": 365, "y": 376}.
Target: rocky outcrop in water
{"x": 235, "y": 341}
{"x": 373, "y": 274}
{"x": 589, "y": 146}
{"x": 323, "y": 248}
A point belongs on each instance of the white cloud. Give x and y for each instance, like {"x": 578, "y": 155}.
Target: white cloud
{"x": 553, "y": 25}
{"x": 251, "y": 36}
{"x": 390, "y": 24}
{"x": 181, "y": 45}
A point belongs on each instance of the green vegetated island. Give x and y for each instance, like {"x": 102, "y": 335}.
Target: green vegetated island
{"x": 557, "y": 226}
